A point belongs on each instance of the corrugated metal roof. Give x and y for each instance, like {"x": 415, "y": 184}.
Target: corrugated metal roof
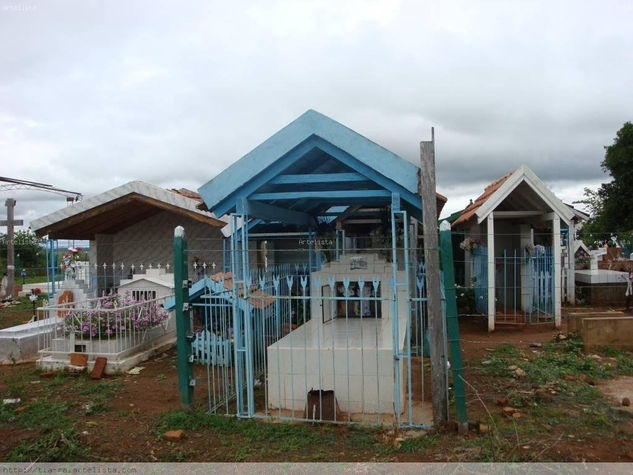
{"x": 123, "y": 204}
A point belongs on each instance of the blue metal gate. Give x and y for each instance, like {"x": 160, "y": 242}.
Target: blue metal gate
{"x": 480, "y": 278}
{"x": 524, "y": 284}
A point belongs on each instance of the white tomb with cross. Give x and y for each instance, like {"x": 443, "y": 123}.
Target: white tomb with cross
{"x": 154, "y": 283}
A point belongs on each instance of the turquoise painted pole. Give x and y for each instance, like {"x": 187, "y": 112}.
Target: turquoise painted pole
{"x": 452, "y": 325}
{"x": 181, "y": 293}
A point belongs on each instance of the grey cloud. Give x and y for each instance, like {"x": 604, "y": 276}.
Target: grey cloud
{"x": 94, "y": 94}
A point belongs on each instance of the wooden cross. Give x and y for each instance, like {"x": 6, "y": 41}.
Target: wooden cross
{"x": 10, "y": 223}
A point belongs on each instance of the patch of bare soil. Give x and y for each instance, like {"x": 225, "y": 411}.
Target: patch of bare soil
{"x": 617, "y": 390}
{"x": 476, "y": 341}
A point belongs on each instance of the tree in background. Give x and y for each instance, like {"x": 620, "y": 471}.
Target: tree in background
{"x": 30, "y": 248}
{"x": 611, "y": 206}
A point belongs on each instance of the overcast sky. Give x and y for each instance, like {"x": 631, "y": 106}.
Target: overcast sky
{"x": 94, "y": 94}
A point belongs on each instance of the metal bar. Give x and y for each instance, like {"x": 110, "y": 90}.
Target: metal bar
{"x": 395, "y": 207}
{"x": 327, "y": 195}
{"x": 317, "y": 178}
{"x": 181, "y": 295}
{"x": 446, "y": 255}
{"x": 405, "y": 230}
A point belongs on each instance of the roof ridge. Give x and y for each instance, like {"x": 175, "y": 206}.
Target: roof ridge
{"x": 470, "y": 210}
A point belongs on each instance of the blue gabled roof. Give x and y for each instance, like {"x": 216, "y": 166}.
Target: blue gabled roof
{"x": 311, "y": 127}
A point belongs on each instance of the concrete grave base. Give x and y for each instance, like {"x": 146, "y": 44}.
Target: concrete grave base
{"x": 615, "y": 332}
{"x": 574, "y": 320}
{"x": 20, "y": 343}
{"x": 48, "y": 363}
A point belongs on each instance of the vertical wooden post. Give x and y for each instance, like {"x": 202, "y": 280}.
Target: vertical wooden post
{"x": 432, "y": 265}
{"x": 557, "y": 270}
{"x": 10, "y": 223}
{"x": 452, "y": 324}
{"x": 183, "y": 328}
{"x": 492, "y": 308}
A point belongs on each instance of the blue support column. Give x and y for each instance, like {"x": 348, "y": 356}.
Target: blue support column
{"x": 395, "y": 209}
{"x": 242, "y": 317}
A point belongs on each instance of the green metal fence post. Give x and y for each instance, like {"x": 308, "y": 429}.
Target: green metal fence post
{"x": 183, "y": 329}
{"x": 452, "y": 325}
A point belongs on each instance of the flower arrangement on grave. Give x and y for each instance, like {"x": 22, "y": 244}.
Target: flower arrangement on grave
{"x": 115, "y": 315}
{"x": 469, "y": 244}
{"x": 69, "y": 259}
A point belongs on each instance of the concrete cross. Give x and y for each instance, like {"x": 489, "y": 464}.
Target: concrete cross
{"x": 10, "y": 223}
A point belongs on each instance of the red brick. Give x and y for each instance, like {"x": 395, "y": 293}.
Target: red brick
{"x": 78, "y": 359}
{"x": 99, "y": 368}
{"x": 173, "y": 434}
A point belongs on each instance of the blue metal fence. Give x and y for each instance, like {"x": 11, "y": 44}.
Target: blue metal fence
{"x": 524, "y": 284}
{"x": 344, "y": 341}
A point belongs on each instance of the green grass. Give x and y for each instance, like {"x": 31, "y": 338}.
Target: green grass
{"x": 44, "y": 416}
{"x": 288, "y": 436}
{"x": 556, "y": 361}
{"x": 554, "y": 397}
{"x": 98, "y": 394}
{"x": 55, "y": 439}
{"x": 248, "y": 439}
{"x": 52, "y": 421}
{"x": 418, "y": 444}
{"x": 57, "y": 446}
{"x": 254, "y": 440}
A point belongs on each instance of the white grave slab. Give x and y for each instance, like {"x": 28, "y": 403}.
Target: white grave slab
{"x": 20, "y": 342}
{"x": 353, "y": 356}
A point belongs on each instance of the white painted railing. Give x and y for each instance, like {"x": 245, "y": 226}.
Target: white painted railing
{"x": 106, "y": 326}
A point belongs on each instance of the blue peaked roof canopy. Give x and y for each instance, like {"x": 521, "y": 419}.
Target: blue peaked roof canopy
{"x": 312, "y": 165}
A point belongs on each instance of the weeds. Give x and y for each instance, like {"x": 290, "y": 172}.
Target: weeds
{"x": 45, "y": 416}
{"x": 56, "y": 439}
{"x": 282, "y": 438}
{"x": 418, "y": 444}
{"x": 555, "y": 362}
{"x": 57, "y": 446}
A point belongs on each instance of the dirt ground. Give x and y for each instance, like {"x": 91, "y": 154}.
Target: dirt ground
{"x": 132, "y": 420}
{"x": 617, "y": 390}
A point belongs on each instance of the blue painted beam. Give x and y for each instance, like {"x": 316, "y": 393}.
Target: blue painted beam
{"x": 352, "y": 213}
{"x": 395, "y": 202}
{"x": 254, "y": 222}
{"x": 412, "y": 200}
{"x": 413, "y": 211}
{"x": 227, "y": 204}
{"x": 277, "y": 213}
{"x": 318, "y": 178}
{"x": 295, "y": 195}
{"x": 345, "y": 158}
{"x": 310, "y": 124}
